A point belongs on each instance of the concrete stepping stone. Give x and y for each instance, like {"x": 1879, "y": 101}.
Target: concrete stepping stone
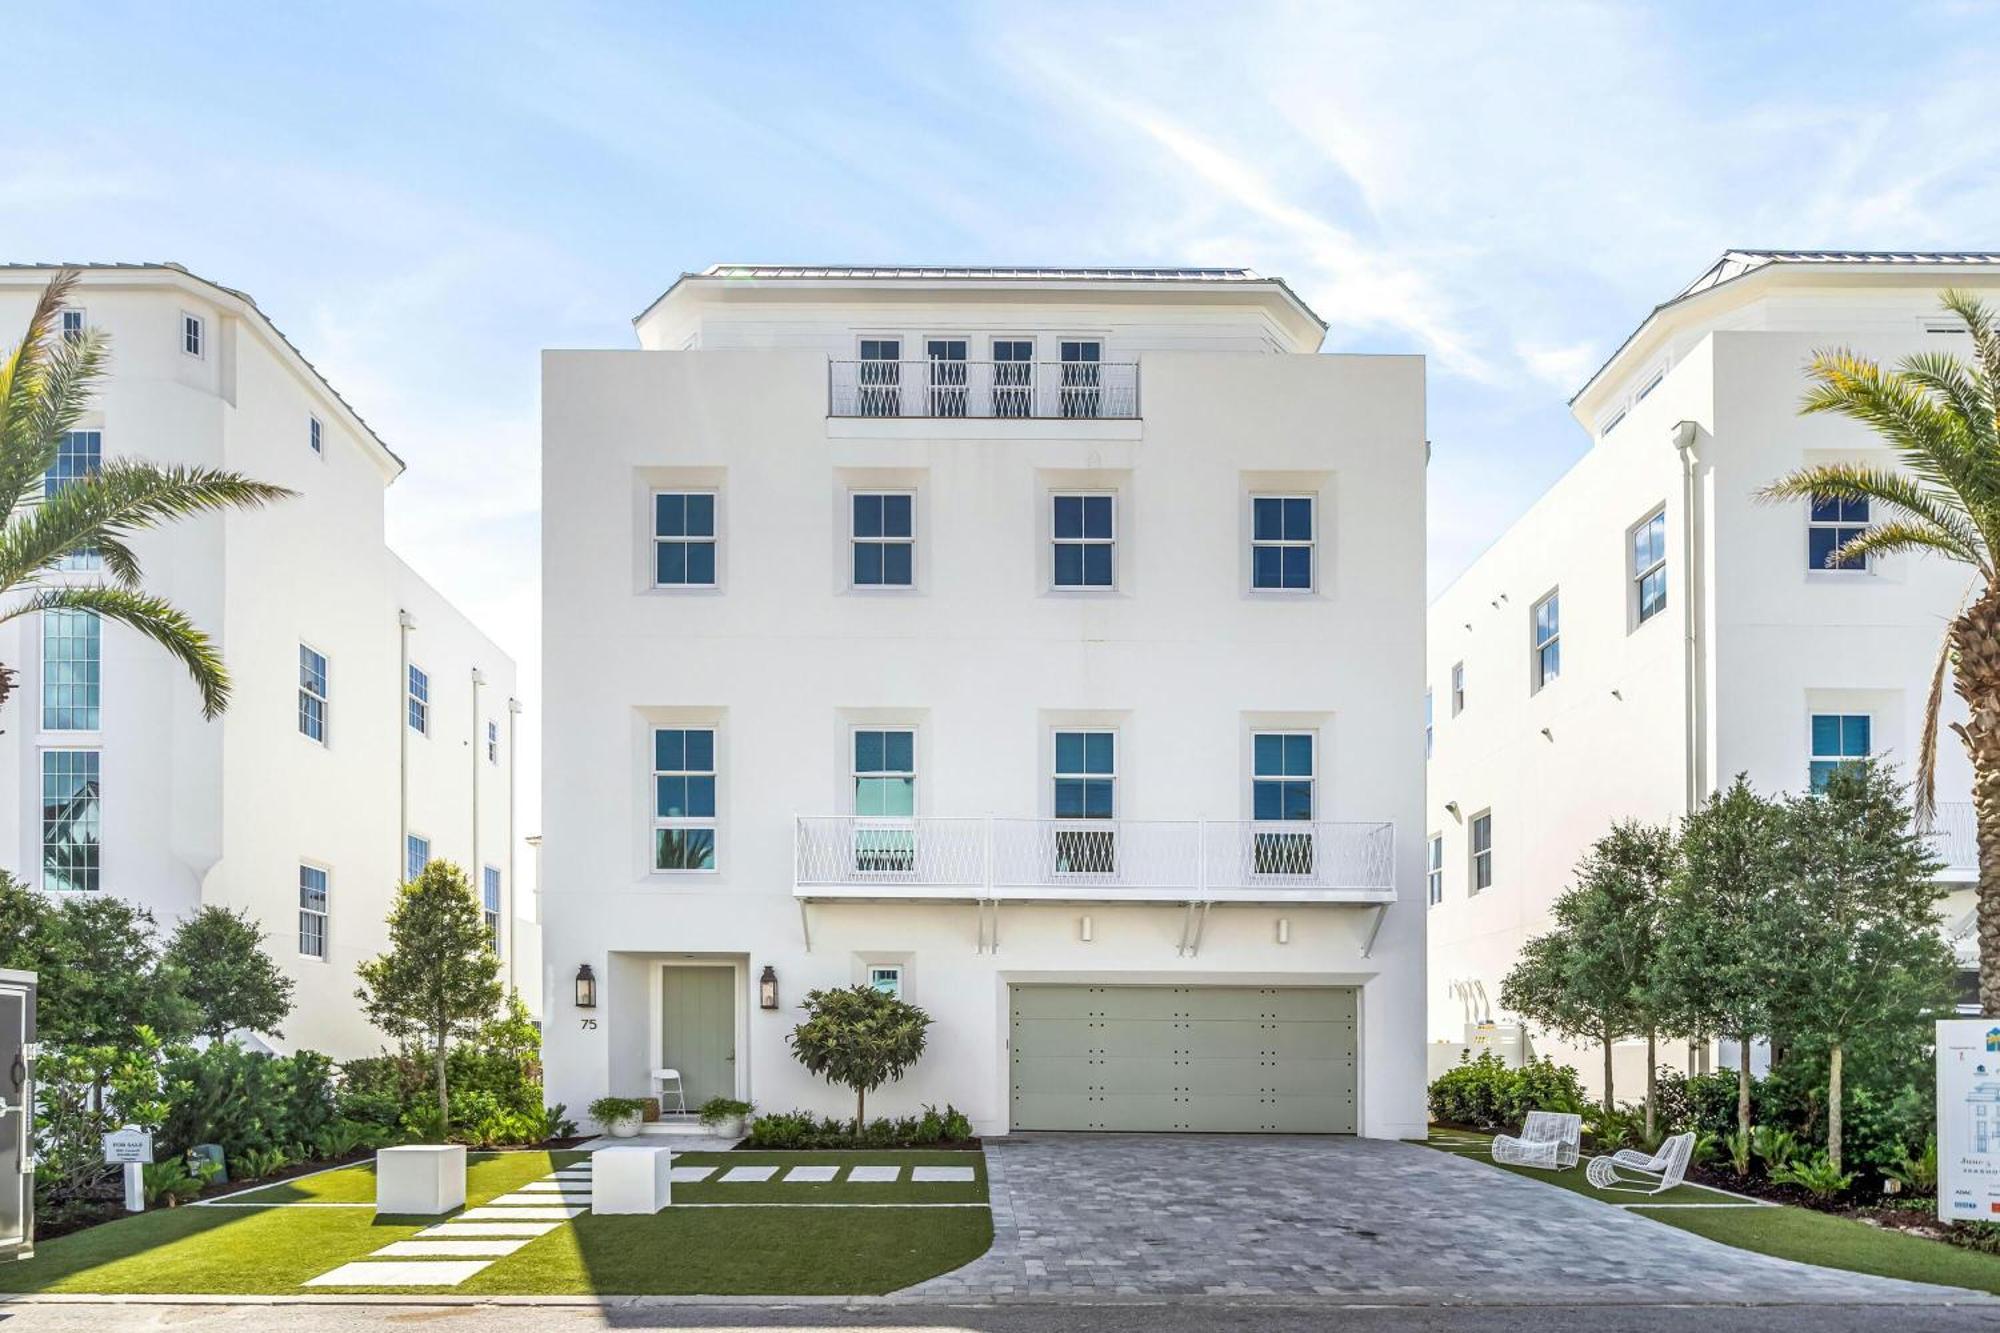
{"x": 530, "y": 1200}
{"x": 492, "y": 1248}
{"x": 401, "y": 1273}
{"x": 483, "y": 1230}
{"x": 687, "y": 1175}
{"x": 939, "y": 1174}
{"x": 748, "y": 1174}
{"x": 873, "y": 1175}
{"x": 808, "y": 1174}
{"x": 518, "y": 1214}
{"x": 550, "y": 1186}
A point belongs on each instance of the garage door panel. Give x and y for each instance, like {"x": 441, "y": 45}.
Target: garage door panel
{"x": 1311, "y": 1041}
{"x": 1066, "y": 1075}
{"x": 1135, "y": 1112}
{"x": 1225, "y": 1113}
{"x": 1051, "y": 1002}
{"x": 1135, "y": 1039}
{"x": 1203, "y": 1039}
{"x": 1309, "y": 1115}
{"x": 1317, "y": 1006}
{"x": 1320, "y": 1077}
{"x": 1156, "y": 1076}
{"x": 1048, "y": 1110}
{"x": 1056, "y": 1037}
{"x": 1154, "y": 1003}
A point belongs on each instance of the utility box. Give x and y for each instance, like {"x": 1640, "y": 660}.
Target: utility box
{"x": 17, "y": 1114}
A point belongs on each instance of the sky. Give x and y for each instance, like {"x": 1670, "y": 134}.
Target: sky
{"x": 424, "y": 195}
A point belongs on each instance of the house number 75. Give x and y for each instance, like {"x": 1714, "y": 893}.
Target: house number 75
{"x": 590, "y": 1025}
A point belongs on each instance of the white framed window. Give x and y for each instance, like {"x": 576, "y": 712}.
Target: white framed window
{"x": 1084, "y": 528}
{"x": 1457, "y": 688}
{"x": 1651, "y": 385}
{"x": 72, "y": 808}
{"x": 1013, "y": 377}
{"x": 72, "y": 670}
{"x": 1837, "y": 739}
{"x": 1282, "y": 543}
{"x": 489, "y": 903}
{"x": 418, "y": 699}
{"x": 1082, "y": 386}
{"x": 1282, "y": 790}
{"x": 884, "y": 533}
{"x": 684, "y": 773}
{"x": 1085, "y": 790}
{"x": 73, "y": 323}
{"x": 312, "y": 911}
{"x": 1612, "y": 424}
{"x": 315, "y": 436}
{"x": 684, "y": 539}
{"x": 1430, "y": 725}
{"x": 947, "y": 367}
{"x": 880, "y": 378}
{"x": 313, "y": 694}
{"x": 885, "y": 798}
{"x": 1649, "y": 566}
{"x": 1479, "y": 846}
{"x": 492, "y": 741}
{"x": 416, "y": 855}
{"x": 79, "y": 454}
{"x": 1830, "y": 524}
{"x": 887, "y": 978}
{"x": 1547, "y": 621}
{"x": 193, "y": 335}
{"x": 1434, "y": 871}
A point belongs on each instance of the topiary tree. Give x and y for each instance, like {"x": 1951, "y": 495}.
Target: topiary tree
{"x": 227, "y": 974}
{"x": 440, "y": 978}
{"x": 859, "y": 1038}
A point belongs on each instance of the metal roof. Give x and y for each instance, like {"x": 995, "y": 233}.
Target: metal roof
{"x": 246, "y": 299}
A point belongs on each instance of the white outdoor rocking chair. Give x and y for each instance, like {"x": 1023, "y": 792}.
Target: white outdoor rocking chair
{"x": 1549, "y": 1140}
{"x": 1635, "y": 1173}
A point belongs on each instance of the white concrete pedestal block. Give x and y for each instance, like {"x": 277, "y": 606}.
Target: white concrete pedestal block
{"x": 420, "y": 1178}
{"x": 636, "y": 1179}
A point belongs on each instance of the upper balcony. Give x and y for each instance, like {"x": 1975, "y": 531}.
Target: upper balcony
{"x": 961, "y": 390}
{"x": 1095, "y": 860}
{"x": 1954, "y": 838}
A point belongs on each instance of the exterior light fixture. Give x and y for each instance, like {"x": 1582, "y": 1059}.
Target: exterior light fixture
{"x": 1086, "y": 929}
{"x": 767, "y": 988}
{"x": 1284, "y": 930}
{"x": 586, "y": 988}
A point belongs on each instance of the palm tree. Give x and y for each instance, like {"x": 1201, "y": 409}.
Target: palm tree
{"x": 1942, "y": 419}
{"x": 56, "y": 526}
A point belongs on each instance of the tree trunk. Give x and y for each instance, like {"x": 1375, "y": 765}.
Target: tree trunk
{"x": 1833, "y": 1106}
{"x": 860, "y": 1110}
{"x": 1975, "y": 645}
{"x": 1743, "y": 1086}
{"x": 1652, "y": 1080}
{"x": 444, "y": 1095}
{"x": 1609, "y": 1105}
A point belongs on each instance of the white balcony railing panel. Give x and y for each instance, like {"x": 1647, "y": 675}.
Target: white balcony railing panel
{"x": 851, "y": 852}
{"x": 948, "y": 390}
{"x": 1954, "y": 836}
{"x": 1308, "y": 853}
{"x": 1106, "y": 853}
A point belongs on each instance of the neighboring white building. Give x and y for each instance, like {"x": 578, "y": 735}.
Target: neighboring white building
{"x": 1647, "y": 630}
{"x": 951, "y": 631}
{"x": 289, "y": 805}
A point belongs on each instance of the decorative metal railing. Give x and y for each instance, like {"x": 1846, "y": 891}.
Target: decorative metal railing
{"x": 947, "y": 389}
{"x": 1954, "y": 835}
{"x": 1200, "y": 860}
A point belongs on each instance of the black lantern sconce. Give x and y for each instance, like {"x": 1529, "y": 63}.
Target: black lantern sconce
{"x": 767, "y": 988}
{"x": 586, "y": 988}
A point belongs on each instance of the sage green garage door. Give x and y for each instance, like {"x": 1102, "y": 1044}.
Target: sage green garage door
{"x": 1214, "y": 1059}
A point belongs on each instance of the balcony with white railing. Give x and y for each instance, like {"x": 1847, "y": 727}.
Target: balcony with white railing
{"x": 984, "y": 390}
{"x": 1094, "y": 860}
{"x": 1954, "y": 839}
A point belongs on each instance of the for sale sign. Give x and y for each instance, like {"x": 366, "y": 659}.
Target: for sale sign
{"x": 1968, "y": 1111}
{"x": 126, "y": 1147}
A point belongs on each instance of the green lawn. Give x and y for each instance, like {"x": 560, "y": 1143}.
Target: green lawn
{"x": 821, "y": 1249}
{"x": 1785, "y": 1233}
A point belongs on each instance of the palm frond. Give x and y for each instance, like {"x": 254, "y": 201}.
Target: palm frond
{"x": 44, "y": 383}
{"x": 1930, "y": 507}
{"x": 1979, "y": 323}
{"x": 153, "y": 616}
{"x": 1925, "y": 796}
{"x": 1898, "y": 536}
{"x": 1949, "y": 379}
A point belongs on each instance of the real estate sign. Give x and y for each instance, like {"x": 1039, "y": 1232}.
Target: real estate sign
{"x": 1968, "y": 1111}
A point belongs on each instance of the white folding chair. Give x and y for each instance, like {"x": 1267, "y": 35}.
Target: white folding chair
{"x": 661, "y": 1078}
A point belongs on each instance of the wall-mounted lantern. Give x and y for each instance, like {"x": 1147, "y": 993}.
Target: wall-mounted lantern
{"x": 586, "y": 988}
{"x": 767, "y": 988}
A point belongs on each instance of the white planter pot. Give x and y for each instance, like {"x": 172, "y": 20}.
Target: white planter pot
{"x": 625, "y": 1128}
{"x": 731, "y": 1128}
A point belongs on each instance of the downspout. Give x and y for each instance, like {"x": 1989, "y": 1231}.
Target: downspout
{"x": 478, "y": 861}
{"x": 405, "y": 623}
{"x": 507, "y": 894}
{"x": 1694, "y": 697}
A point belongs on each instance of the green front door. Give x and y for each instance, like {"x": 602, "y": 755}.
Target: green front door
{"x": 1215, "y": 1059}
{"x": 698, "y": 1030}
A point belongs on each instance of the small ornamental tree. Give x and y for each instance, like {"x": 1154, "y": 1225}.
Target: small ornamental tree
{"x": 440, "y": 978}
{"x": 859, "y": 1038}
{"x": 225, "y": 971}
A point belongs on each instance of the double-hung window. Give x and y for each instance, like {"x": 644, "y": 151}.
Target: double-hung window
{"x": 312, "y": 912}
{"x": 1479, "y": 840}
{"x": 1649, "y": 567}
{"x": 885, "y": 799}
{"x": 312, "y": 694}
{"x": 1082, "y": 377}
{"x": 492, "y": 741}
{"x": 885, "y": 542}
{"x": 1086, "y": 541}
{"x": 191, "y": 334}
{"x": 1086, "y": 789}
{"x": 1831, "y": 524}
{"x": 72, "y": 324}
{"x": 684, "y": 539}
{"x": 416, "y": 855}
{"x": 489, "y": 904}
{"x": 946, "y": 357}
{"x": 72, "y": 670}
{"x": 1837, "y": 738}
{"x": 71, "y": 807}
{"x": 879, "y": 376}
{"x": 1281, "y": 791}
{"x": 683, "y": 798}
{"x": 79, "y": 454}
{"x": 1013, "y": 377}
{"x": 315, "y": 435}
{"x": 419, "y": 701}
{"x": 1457, "y": 688}
{"x": 1281, "y": 543}
{"x": 1548, "y": 639}
{"x": 1434, "y": 871}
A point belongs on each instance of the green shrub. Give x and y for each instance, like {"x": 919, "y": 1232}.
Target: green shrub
{"x": 1776, "y": 1148}
{"x": 245, "y": 1100}
{"x": 1485, "y": 1094}
{"x": 605, "y": 1110}
{"x": 1919, "y": 1174}
{"x": 804, "y": 1130}
{"x": 1816, "y": 1177}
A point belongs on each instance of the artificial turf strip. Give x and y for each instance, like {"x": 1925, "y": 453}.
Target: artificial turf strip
{"x": 698, "y": 1251}
{"x": 839, "y": 1190}
{"x": 1837, "y": 1242}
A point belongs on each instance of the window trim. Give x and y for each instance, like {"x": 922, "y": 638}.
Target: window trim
{"x": 902, "y": 977}
{"x": 42, "y": 659}
{"x": 1434, "y": 869}
{"x": 198, "y": 326}
{"x": 1813, "y": 757}
{"x": 325, "y": 912}
{"x": 325, "y": 738}
{"x": 42, "y": 824}
{"x": 855, "y": 540}
{"x": 316, "y": 434}
{"x": 1474, "y": 853}
{"x": 1816, "y": 571}
{"x": 914, "y": 773}
{"x": 1083, "y": 589}
{"x": 1458, "y": 687}
{"x": 1057, "y": 773}
{"x": 1635, "y": 577}
{"x": 415, "y": 708}
{"x": 63, "y": 330}
{"x": 1538, "y": 647}
{"x": 1311, "y": 544}
{"x": 653, "y": 538}
{"x": 493, "y": 741}
{"x": 499, "y": 908}
{"x": 1312, "y": 779}
{"x": 411, "y": 837}
{"x": 657, "y": 821}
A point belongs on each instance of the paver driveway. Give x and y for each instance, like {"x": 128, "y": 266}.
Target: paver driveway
{"x": 1139, "y": 1215}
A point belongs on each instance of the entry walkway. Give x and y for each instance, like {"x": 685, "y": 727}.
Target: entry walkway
{"x": 1111, "y": 1215}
